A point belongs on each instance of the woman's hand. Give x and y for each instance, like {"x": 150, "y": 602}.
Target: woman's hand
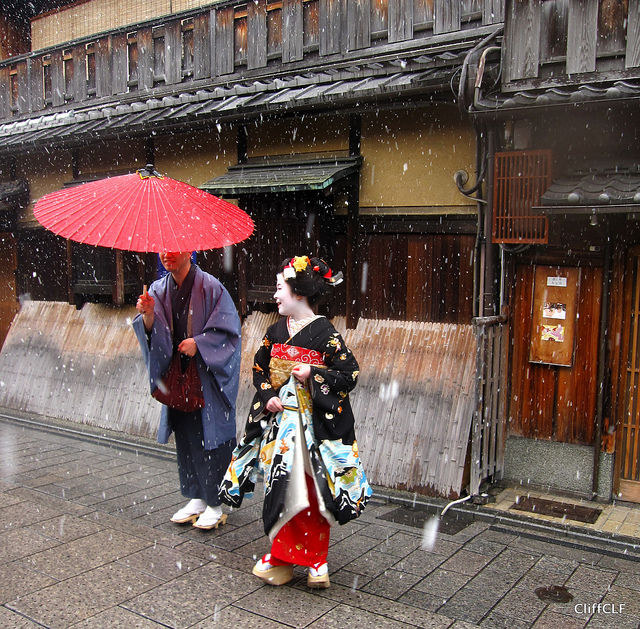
{"x": 188, "y": 347}
{"x": 301, "y": 372}
{"x": 274, "y": 405}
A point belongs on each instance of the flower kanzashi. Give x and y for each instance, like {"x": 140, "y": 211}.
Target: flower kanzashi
{"x": 300, "y": 263}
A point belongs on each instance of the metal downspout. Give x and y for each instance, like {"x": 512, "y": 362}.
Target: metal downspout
{"x": 488, "y": 298}
{"x": 602, "y": 356}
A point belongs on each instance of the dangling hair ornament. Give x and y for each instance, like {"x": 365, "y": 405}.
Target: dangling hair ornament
{"x": 332, "y": 280}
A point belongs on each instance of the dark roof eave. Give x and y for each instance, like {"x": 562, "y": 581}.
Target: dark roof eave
{"x": 552, "y": 210}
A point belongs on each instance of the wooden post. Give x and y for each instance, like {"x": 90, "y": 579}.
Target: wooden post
{"x": 353, "y": 269}
{"x": 118, "y": 279}
{"x": 70, "y": 292}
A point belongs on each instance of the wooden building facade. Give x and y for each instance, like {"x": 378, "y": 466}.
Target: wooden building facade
{"x": 563, "y": 185}
{"x": 333, "y": 123}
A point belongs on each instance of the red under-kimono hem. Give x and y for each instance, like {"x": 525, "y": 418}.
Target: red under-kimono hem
{"x": 304, "y": 540}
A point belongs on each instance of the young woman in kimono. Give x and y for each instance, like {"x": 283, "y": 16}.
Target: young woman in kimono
{"x": 300, "y": 431}
{"x": 190, "y": 312}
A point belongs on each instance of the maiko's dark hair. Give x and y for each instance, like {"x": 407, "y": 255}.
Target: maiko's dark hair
{"x": 310, "y": 282}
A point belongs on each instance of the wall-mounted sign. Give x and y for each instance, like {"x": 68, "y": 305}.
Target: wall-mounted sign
{"x": 553, "y": 321}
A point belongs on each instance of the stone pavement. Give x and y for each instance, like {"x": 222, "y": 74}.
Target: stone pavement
{"x": 85, "y": 541}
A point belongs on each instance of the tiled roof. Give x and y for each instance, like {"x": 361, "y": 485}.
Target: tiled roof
{"x": 617, "y": 91}
{"x": 327, "y": 89}
{"x": 281, "y": 177}
{"x": 599, "y": 189}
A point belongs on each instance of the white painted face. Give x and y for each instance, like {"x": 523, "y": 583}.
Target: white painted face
{"x": 287, "y": 302}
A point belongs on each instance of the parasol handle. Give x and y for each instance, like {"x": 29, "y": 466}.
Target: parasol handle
{"x": 144, "y": 290}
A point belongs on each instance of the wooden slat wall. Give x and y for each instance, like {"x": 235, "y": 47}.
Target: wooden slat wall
{"x": 359, "y": 24}
{"x": 224, "y": 40}
{"x": 522, "y": 40}
{"x": 419, "y": 277}
{"x": 145, "y": 59}
{"x": 416, "y": 436}
{"x": 526, "y": 25}
{"x": 632, "y": 58}
{"x": 223, "y": 47}
{"x": 489, "y": 423}
{"x": 201, "y": 47}
{"x": 446, "y": 16}
{"x": 23, "y": 87}
{"x": 400, "y": 20}
{"x": 582, "y": 33}
{"x": 173, "y": 53}
{"x": 37, "y": 87}
{"x": 119, "y": 64}
{"x": 493, "y": 11}
{"x": 103, "y": 67}
{"x": 549, "y": 402}
{"x": 256, "y": 34}
{"x": 292, "y": 30}
{"x": 79, "y": 73}
{"x": 5, "y": 92}
{"x": 330, "y": 26}
{"x": 57, "y": 78}
{"x": 413, "y": 404}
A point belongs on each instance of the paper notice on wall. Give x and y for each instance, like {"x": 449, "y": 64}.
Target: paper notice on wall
{"x": 553, "y": 333}
{"x": 556, "y": 281}
{"x": 554, "y": 310}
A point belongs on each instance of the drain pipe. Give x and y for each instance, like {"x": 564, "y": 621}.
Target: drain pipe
{"x": 455, "y": 502}
{"x": 602, "y": 353}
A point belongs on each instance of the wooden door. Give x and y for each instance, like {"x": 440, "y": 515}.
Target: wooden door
{"x": 628, "y": 424}
{"x": 8, "y": 296}
{"x": 554, "y": 402}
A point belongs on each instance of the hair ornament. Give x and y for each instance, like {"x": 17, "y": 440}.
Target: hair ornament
{"x": 297, "y": 264}
{"x": 300, "y": 264}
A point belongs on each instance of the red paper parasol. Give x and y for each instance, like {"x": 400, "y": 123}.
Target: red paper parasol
{"x": 143, "y": 212}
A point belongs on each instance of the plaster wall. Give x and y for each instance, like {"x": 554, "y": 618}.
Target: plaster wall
{"x": 46, "y": 171}
{"x": 560, "y": 466}
{"x": 410, "y": 157}
{"x": 116, "y": 155}
{"x": 195, "y": 158}
{"x": 305, "y": 135}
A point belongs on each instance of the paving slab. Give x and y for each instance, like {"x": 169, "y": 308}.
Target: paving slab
{"x": 85, "y": 541}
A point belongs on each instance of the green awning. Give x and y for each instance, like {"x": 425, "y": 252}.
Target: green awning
{"x": 319, "y": 175}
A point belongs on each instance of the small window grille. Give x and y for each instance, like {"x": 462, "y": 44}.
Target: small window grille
{"x": 521, "y": 178}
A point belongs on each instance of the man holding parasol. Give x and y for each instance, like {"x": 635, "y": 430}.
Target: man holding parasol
{"x": 187, "y": 326}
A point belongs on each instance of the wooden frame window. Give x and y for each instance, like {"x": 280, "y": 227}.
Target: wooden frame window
{"x": 13, "y": 89}
{"x": 612, "y": 27}
{"x": 521, "y": 178}
{"x": 553, "y": 34}
{"x": 311, "y": 24}
{"x": 68, "y": 70}
{"x": 186, "y": 32}
{"x": 240, "y": 36}
{"x": 132, "y": 59}
{"x": 274, "y": 29}
{"x": 91, "y": 69}
{"x": 158, "y": 55}
{"x": 47, "y": 81}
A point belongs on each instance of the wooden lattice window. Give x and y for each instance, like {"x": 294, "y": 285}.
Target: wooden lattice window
{"x": 521, "y": 178}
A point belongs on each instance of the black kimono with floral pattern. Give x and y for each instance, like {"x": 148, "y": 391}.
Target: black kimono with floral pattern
{"x": 333, "y": 430}
{"x": 330, "y": 387}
